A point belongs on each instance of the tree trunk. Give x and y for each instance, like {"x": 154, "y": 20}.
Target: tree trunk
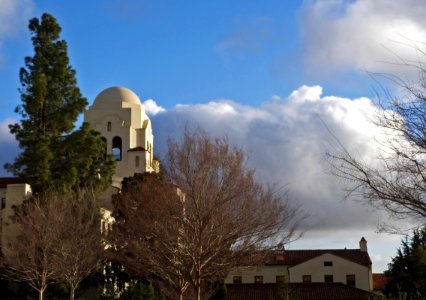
{"x": 41, "y": 294}
{"x": 199, "y": 292}
{"x": 72, "y": 291}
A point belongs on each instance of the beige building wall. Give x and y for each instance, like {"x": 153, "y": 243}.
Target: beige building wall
{"x": 340, "y": 269}
{"x": 249, "y": 273}
{"x": 120, "y": 117}
{"x": 14, "y": 195}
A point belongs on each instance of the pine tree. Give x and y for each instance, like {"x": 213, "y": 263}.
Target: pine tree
{"x": 407, "y": 272}
{"x": 52, "y": 153}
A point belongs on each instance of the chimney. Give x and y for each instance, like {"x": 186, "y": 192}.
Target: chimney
{"x": 279, "y": 256}
{"x": 363, "y": 245}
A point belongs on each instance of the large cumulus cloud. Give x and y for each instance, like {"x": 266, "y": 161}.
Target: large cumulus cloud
{"x": 369, "y": 35}
{"x": 8, "y": 145}
{"x": 286, "y": 139}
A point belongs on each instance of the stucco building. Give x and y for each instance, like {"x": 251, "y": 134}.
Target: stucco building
{"x": 320, "y": 270}
{"x": 12, "y": 192}
{"x": 118, "y": 114}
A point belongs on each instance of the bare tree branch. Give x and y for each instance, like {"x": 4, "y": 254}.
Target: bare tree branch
{"x": 192, "y": 234}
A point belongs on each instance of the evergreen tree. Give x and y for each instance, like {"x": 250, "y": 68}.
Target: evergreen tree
{"x": 52, "y": 153}
{"x": 407, "y": 272}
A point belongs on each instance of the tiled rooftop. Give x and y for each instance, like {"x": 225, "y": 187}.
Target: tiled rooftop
{"x": 295, "y": 257}
{"x": 379, "y": 281}
{"x": 4, "y": 181}
{"x": 300, "y": 291}
{"x": 137, "y": 149}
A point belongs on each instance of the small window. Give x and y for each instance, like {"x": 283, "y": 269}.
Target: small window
{"x": 306, "y": 278}
{"x": 350, "y": 280}
{"x": 116, "y": 148}
{"x": 328, "y": 264}
{"x": 3, "y": 203}
{"x": 328, "y": 278}
{"x": 258, "y": 279}
{"x": 280, "y": 279}
{"x": 237, "y": 279}
{"x": 109, "y": 126}
{"x": 137, "y": 161}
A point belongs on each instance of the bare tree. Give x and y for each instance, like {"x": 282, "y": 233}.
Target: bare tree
{"x": 219, "y": 212}
{"x": 56, "y": 237}
{"x": 29, "y": 252}
{"x": 80, "y": 248}
{"x": 396, "y": 180}
{"x": 147, "y": 232}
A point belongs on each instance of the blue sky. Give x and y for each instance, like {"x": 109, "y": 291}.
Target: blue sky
{"x": 275, "y": 76}
{"x": 176, "y": 51}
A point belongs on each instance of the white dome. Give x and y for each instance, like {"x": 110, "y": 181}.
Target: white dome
{"x": 115, "y": 97}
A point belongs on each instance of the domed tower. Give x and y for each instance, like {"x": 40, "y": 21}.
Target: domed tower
{"x": 118, "y": 114}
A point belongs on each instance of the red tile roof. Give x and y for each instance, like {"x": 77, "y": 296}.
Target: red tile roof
{"x": 4, "y": 181}
{"x": 137, "y": 149}
{"x": 300, "y": 291}
{"x": 267, "y": 291}
{"x": 295, "y": 257}
{"x": 379, "y": 281}
{"x": 327, "y": 291}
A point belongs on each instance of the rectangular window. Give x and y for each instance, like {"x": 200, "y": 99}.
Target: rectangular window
{"x": 350, "y": 280}
{"x": 237, "y": 279}
{"x": 3, "y": 203}
{"x": 280, "y": 279}
{"x": 306, "y": 278}
{"x": 328, "y": 278}
{"x": 328, "y": 264}
{"x": 258, "y": 279}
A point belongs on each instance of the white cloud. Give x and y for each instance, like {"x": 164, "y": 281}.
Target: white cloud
{"x": 368, "y": 35}
{"x": 13, "y": 17}
{"x": 286, "y": 139}
{"x": 5, "y": 135}
{"x": 152, "y": 108}
{"x": 8, "y": 144}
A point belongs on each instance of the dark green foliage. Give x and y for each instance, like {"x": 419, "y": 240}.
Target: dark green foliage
{"x": 52, "y": 154}
{"x": 220, "y": 291}
{"x": 139, "y": 291}
{"x": 407, "y": 272}
{"x": 115, "y": 283}
{"x": 14, "y": 290}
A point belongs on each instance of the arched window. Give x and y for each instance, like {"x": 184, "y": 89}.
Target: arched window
{"x": 137, "y": 161}
{"x": 109, "y": 125}
{"x": 105, "y": 146}
{"x": 116, "y": 148}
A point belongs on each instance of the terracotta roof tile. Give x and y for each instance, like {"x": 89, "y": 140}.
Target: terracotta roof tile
{"x": 327, "y": 291}
{"x": 252, "y": 291}
{"x": 295, "y": 257}
{"x": 4, "y": 181}
{"x": 137, "y": 149}
{"x": 300, "y": 291}
{"x": 379, "y": 281}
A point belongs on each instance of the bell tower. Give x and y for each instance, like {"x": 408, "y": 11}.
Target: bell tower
{"x": 118, "y": 114}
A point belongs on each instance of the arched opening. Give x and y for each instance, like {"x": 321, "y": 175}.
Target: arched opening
{"x": 105, "y": 146}
{"x": 109, "y": 126}
{"x": 137, "y": 161}
{"x": 116, "y": 148}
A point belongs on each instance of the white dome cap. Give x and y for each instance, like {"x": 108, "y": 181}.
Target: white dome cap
{"x": 115, "y": 97}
